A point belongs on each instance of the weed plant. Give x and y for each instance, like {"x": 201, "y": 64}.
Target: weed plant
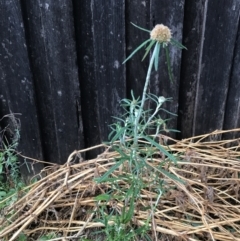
{"x": 136, "y": 147}
{"x": 10, "y": 181}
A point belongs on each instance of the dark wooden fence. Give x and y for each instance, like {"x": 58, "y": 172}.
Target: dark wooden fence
{"x": 60, "y": 68}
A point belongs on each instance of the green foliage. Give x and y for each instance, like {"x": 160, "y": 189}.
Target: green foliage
{"x": 10, "y": 181}
{"x": 135, "y": 137}
{"x": 118, "y": 227}
{"x": 22, "y": 237}
{"x": 130, "y": 137}
{"x": 48, "y": 236}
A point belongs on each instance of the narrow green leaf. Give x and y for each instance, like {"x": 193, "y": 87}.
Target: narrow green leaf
{"x": 130, "y": 212}
{"x": 122, "y": 153}
{"x": 127, "y": 101}
{"x": 112, "y": 133}
{"x": 170, "y": 175}
{"x": 168, "y": 112}
{"x": 156, "y": 57}
{"x": 141, "y": 28}
{"x": 102, "y": 197}
{"x": 148, "y": 49}
{"x": 153, "y": 98}
{"x": 118, "y": 118}
{"x": 170, "y": 156}
{"x": 112, "y": 179}
{"x": 139, "y": 47}
{"x": 176, "y": 43}
{"x": 169, "y": 65}
{"x": 110, "y": 171}
{"x": 173, "y": 130}
{"x": 117, "y": 135}
{"x": 133, "y": 97}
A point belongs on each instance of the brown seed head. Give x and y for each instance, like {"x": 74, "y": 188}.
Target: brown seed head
{"x": 161, "y": 33}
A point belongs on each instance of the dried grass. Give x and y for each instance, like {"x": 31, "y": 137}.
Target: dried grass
{"x": 207, "y": 207}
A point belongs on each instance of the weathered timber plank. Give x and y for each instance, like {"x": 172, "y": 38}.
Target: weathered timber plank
{"x": 169, "y": 13}
{"x": 232, "y": 109}
{"x": 88, "y": 85}
{"x": 221, "y": 22}
{"x": 16, "y": 87}
{"x": 194, "y": 12}
{"x": 136, "y": 69}
{"x": 109, "y": 51}
{"x": 52, "y": 49}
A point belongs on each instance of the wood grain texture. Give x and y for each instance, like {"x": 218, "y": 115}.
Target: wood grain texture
{"x": 169, "y": 13}
{"x": 137, "y": 12}
{"x": 61, "y": 67}
{"x": 232, "y": 109}
{"x": 52, "y": 49}
{"x": 194, "y": 12}
{"x": 109, "y": 51}
{"x": 17, "y": 93}
{"x": 88, "y": 82}
{"x": 214, "y": 71}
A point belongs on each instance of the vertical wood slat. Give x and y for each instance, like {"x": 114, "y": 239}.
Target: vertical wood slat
{"x": 136, "y": 69}
{"x": 217, "y": 54}
{"x": 52, "y": 48}
{"x": 100, "y": 34}
{"x": 192, "y": 35}
{"x": 169, "y": 13}
{"x": 109, "y": 51}
{"x": 17, "y": 93}
{"x": 232, "y": 109}
{"x": 88, "y": 85}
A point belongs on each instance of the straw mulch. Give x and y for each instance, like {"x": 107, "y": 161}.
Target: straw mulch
{"x": 206, "y": 207}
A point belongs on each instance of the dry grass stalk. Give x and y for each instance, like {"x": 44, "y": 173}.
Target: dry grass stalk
{"x": 207, "y": 207}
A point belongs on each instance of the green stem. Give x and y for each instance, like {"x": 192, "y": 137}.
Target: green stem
{"x": 144, "y": 95}
{"x": 149, "y": 120}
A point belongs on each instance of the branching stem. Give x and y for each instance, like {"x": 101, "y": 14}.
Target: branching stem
{"x": 144, "y": 96}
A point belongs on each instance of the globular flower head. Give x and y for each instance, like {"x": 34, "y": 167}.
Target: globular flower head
{"x": 161, "y": 33}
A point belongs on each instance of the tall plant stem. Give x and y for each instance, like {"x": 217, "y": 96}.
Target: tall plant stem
{"x": 144, "y": 95}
